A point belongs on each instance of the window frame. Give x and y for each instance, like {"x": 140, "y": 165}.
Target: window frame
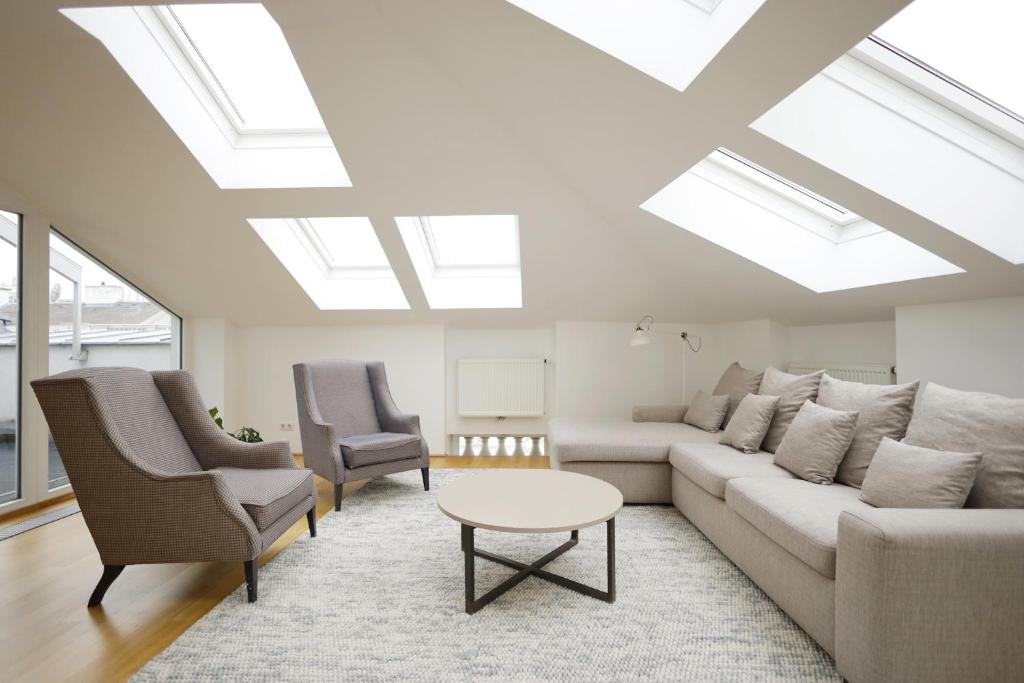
{"x": 19, "y": 468}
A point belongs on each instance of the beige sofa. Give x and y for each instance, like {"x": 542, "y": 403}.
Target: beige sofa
{"x": 891, "y": 594}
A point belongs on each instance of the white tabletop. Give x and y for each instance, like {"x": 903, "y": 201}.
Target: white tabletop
{"x": 529, "y": 501}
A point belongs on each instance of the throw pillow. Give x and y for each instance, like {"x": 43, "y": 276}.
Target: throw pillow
{"x": 815, "y": 442}
{"x": 885, "y": 411}
{"x": 793, "y": 391}
{"x": 964, "y": 421}
{"x": 706, "y": 412}
{"x": 904, "y": 476}
{"x": 750, "y": 422}
{"x": 737, "y": 382}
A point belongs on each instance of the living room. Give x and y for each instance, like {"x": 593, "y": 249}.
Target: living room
{"x": 718, "y": 294}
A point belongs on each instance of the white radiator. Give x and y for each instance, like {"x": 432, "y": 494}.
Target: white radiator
{"x": 500, "y": 387}
{"x": 865, "y": 374}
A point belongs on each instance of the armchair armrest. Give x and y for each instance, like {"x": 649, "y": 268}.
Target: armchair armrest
{"x": 930, "y": 595}
{"x": 390, "y": 417}
{"x": 223, "y": 450}
{"x": 666, "y": 413}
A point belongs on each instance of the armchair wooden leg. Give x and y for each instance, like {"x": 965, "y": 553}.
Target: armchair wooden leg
{"x": 110, "y": 573}
{"x": 425, "y": 471}
{"x": 252, "y": 569}
{"x": 311, "y": 520}
{"x": 337, "y": 497}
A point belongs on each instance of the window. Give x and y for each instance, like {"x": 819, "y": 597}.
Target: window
{"x": 224, "y": 78}
{"x": 670, "y": 40}
{"x": 10, "y": 329}
{"x": 339, "y": 262}
{"x": 98, "y": 319}
{"x": 973, "y": 46}
{"x": 465, "y": 261}
{"x": 788, "y": 229}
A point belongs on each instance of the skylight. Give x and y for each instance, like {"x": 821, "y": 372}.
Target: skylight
{"x": 465, "y": 261}
{"x": 225, "y": 80}
{"x": 788, "y": 229}
{"x": 339, "y": 262}
{"x": 670, "y": 40}
{"x": 976, "y": 45}
{"x": 242, "y": 52}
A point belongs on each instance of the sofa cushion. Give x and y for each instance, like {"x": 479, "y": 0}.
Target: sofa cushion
{"x": 905, "y": 476}
{"x": 268, "y": 494}
{"x": 816, "y": 441}
{"x": 793, "y": 391}
{"x": 711, "y": 465}
{"x": 965, "y": 421}
{"x": 885, "y": 411}
{"x": 706, "y": 411}
{"x": 374, "y": 449}
{"x": 750, "y": 423}
{"x": 800, "y": 516}
{"x": 580, "y": 440}
{"x": 737, "y": 382}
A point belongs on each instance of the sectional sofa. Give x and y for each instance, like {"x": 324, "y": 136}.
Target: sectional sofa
{"x": 892, "y": 594}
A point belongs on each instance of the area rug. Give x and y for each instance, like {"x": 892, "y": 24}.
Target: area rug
{"x": 378, "y": 596}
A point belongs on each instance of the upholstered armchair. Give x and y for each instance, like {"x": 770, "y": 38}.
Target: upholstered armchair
{"x": 350, "y": 427}
{"x": 156, "y": 479}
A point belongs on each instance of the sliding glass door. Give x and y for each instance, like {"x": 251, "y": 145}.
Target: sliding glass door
{"x": 10, "y": 375}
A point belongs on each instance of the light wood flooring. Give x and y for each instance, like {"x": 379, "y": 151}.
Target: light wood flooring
{"x": 47, "y": 574}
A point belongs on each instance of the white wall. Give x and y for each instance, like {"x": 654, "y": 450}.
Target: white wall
{"x": 972, "y": 345}
{"x": 853, "y": 343}
{"x": 598, "y": 374}
{"x": 413, "y": 354}
{"x": 530, "y": 342}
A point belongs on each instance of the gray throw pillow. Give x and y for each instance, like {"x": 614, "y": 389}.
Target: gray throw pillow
{"x": 737, "y": 382}
{"x": 904, "y": 476}
{"x": 816, "y": 442}
{"x": 793, "y": 391}
{"x": 885, "y": 411}
{"x": 749, "y": 423}
{"x": 706, "y": 412}
{"x": 964, "y": 422}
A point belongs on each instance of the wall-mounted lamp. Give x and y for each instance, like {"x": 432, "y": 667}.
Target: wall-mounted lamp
{"x": 642, "y": 334}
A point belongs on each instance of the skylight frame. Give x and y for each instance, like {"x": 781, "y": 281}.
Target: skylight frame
{"x": 331, "y": 286}
{"x": 460, "y": 286}
{"x": 753, "y": 219}
{"x": 141, "y": 42}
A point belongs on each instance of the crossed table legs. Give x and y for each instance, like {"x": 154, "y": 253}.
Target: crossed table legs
{"x": 474, "y": 604}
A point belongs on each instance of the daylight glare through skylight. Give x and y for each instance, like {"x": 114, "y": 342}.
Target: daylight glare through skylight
{"x": 974, "y": 43}
{"x": 472, "y": 240}
{"x": 247, "y": 58}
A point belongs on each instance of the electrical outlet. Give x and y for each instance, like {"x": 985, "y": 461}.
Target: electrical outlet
{"x": 287, "y": 426}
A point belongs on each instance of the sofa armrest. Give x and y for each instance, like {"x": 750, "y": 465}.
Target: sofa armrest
{"x": 930, "y": 595}
{"x": 668, "y": 413}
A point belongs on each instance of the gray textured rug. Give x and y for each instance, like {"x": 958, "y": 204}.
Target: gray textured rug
{"x": 378, "y": 595}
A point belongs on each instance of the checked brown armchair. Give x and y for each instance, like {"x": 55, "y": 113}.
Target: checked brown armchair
{"x": 158, "y": 481}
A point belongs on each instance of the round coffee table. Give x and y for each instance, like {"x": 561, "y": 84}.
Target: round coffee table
{"x": 530, "y": 502}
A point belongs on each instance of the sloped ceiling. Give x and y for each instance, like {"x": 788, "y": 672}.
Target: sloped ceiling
{"x": 451, "y": 107}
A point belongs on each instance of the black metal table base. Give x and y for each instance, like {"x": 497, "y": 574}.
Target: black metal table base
{"x": 474, "y": 604}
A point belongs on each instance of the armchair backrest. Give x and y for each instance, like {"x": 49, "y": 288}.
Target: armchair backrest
{"x": 338, "y": 392}
{"x": 99, "y": 413}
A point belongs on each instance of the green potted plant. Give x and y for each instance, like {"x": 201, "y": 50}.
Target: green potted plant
{"x": 246, "y": 434}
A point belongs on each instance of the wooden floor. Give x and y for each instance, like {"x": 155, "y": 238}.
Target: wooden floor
{"x": 47, "y": 574}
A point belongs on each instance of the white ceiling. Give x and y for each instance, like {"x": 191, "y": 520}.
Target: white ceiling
{"x": 456, "y": 107}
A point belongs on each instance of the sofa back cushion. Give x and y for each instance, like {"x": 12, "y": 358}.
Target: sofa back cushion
{"x": 905, "y": 476}
{"x": 706, "y": 412}
{"x": 737, "y": 382}
{"x": 750, "y": 423}
{"x": 966, "y": 421}
{"x": 815, "y": 442}
{"x": 885, "y": 411}
{"x": 793, "y": 391}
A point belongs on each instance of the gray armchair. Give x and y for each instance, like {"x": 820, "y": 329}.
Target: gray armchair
{"x": 350, "y": 427}
{"x": 156, "y": 479}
